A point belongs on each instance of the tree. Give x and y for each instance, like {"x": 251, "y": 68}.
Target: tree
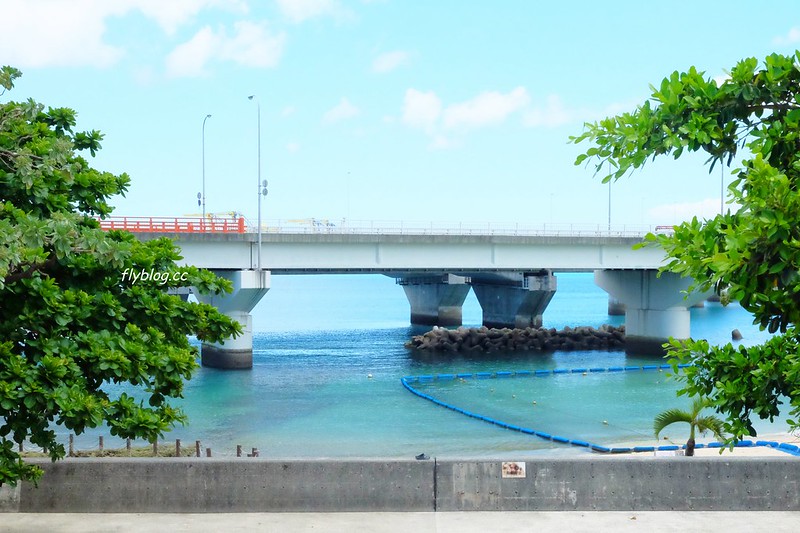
{"x": 696, "y": 422}
{"x": 753, "y": 250}
{"x": 71, "y": 323}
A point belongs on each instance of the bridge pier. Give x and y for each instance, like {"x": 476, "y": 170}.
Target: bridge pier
{"x": 656, "y": 308}
{"x": 249, "y": 286}
{"x": 435, "y": 300}
{"x": 514, "y": 301}
{"x": 615, "y": 307}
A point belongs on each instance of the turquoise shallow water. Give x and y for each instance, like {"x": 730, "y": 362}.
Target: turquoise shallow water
{"x": 329, "y": 355}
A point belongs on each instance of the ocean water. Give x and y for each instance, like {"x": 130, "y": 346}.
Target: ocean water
{"x": 329, "y": 354}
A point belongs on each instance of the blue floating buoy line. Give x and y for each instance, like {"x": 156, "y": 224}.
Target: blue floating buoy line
{"x": 407, "y": 381}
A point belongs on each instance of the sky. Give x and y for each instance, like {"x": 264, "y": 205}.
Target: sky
{"x": 381, "y": 112}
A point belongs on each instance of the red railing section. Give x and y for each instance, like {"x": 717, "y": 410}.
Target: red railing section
{"x": 174, "y": 224}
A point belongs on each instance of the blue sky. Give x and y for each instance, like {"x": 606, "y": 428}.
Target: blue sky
{"x": 380, "y": 110}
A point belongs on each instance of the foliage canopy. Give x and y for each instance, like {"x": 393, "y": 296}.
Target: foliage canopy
{"x": 752, "y": 250}
{"x": 80, "y": 346}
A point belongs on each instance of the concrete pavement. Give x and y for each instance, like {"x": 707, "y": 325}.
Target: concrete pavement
{"x": 460, "y": 522}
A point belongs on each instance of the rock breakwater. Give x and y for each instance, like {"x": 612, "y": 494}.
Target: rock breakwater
{"x": 484, "y": 339}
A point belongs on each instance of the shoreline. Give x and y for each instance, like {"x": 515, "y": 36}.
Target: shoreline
{"x": 739, "y": 451}
{"x": 556, "y": 452}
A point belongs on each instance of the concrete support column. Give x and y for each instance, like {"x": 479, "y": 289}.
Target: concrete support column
{"x": 515, "y": 303}
{"x": 656, "y": 308}
{"x": 182, "y": 292}
{"x": 249, "y": 286}
{"x": 435, "y": 300}
{"x": 615, "y": 307}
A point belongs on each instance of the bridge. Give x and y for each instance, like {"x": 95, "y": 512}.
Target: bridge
{"x": 510, "y": 269}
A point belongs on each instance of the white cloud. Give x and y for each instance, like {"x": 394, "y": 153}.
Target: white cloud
{"x": 485, "y": 109}
{"x": 421, "y": 110}
{"x": 42, "y": 33}
{"x": 144, "y": 76}
{"x": 792, "y": 37}
{"x": 389, "y": 61}
{"x": 551, "y": 115}
{"x": 251, "y": 45}
{"x": 424, "y": 111}
{"x": 288, "y": 111}
{"x": 172, "y": 14}
{"x": 301, "y": 10}
{"x": 582, "y": 115}
{"x": 445, "y": 124}
{"x": 190, "y": 58}
{"x": 440, "y": 142}
{"x": 342, "y": 111}
{"x": 45, "y": 33}
{"x": 292, "y": 147}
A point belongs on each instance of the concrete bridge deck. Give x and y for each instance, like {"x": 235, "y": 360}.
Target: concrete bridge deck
{"x": 396, "y": 254}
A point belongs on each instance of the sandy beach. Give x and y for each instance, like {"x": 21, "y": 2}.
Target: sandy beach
{"x": 740, "y": 451}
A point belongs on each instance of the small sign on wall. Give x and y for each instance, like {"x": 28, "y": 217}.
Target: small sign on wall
{"x": 513, "y": 469}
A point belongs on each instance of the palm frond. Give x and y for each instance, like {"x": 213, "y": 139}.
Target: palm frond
{"x": 668, "y": 417}
{"x": 711, "y": 423}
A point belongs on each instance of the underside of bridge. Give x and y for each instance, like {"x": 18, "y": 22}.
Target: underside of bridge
{"x": 514, "y": 300}
{"x": 655, "y": 307}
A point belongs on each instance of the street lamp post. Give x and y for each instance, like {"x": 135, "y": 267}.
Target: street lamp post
{"x": 204, "y": 168}
{"x": 258, "y": 189}
{"x": 609, "y": 197}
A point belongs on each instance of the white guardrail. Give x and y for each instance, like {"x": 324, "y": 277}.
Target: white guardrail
{"x": 381, "y": 227}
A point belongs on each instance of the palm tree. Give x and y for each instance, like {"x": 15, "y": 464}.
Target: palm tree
{"x": 693, "y": 418}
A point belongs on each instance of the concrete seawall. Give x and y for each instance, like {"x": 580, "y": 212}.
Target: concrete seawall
{"x": 262, "y": 485}
{"x": 623, "y": 484}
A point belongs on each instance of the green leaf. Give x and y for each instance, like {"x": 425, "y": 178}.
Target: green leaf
{"x": 68, "y": 326}
{"x": 751, "y": 251}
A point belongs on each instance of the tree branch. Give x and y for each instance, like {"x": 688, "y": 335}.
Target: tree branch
{"x": 787, "y": 106}
{"x": 35, "y": 267}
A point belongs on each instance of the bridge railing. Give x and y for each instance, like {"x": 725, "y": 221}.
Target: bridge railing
{"x": 370, "y": 227}
{"x": 174, "y": 224}
{"x": 450, "y": 228}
